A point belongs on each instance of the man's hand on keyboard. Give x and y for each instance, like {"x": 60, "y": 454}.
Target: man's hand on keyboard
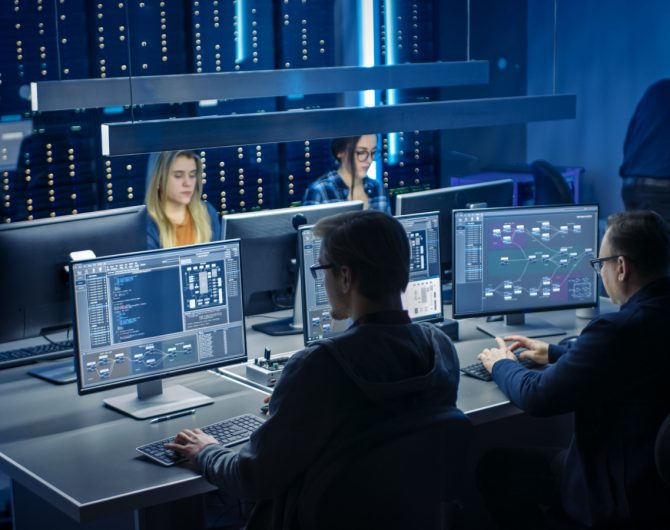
{"x": 536, "y": 350}
{"x": 489, "y": 356}
{"x": 190, "y": 442}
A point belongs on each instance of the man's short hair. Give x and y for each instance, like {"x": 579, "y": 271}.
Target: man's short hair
{"x": 373, "y": 244}
{"x": 644, "y": 238}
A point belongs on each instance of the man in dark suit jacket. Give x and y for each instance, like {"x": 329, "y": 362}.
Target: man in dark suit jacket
{"x": 614, "y": 379}
{"x": 645, "y": 169}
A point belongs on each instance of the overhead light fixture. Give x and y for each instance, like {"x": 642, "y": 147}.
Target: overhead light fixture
{"x": 161, "y": 89}
{"x": 129, "y": 138}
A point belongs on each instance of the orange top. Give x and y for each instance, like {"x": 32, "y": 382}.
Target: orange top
{"x": 186, "y": 231}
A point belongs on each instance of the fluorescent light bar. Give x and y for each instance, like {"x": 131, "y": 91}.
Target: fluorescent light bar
{"x": 158, "y": 89}
{"x": 131, "y": 138}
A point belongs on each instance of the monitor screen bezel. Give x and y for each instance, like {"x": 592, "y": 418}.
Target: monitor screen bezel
{"x": 440, "y": 317}
{"x": 78, "y": 359}
{"x": 241, "y": 223}
{"x": 304, "y": 278}
{"x": 524, "y": 310}
{"x": 49, "y": 242}
{"x": 450, "y": 193}
{"x": 303, "y": 294}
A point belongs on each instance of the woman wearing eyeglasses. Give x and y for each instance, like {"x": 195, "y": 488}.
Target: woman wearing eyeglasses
{"x": 349, "y": 181}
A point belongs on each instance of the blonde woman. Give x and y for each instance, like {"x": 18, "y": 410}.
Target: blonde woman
{"x": 177, "y": 215}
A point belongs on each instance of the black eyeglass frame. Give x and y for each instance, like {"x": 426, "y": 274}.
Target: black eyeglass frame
{"x": 597, "y": 263}
{"x": 363, "y": 154}
{"x": 316, "y": 267}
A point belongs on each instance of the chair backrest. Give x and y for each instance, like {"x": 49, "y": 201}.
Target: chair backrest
{"x": 399, "y": 474}
{"x": 662, "y": 450}
{"x": 550, "y": 186}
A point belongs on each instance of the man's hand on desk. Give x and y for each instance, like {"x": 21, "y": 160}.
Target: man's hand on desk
{"x": 190, "y": 442}
{"x": 536, "y": 350}
{"x": 489, "y": 356}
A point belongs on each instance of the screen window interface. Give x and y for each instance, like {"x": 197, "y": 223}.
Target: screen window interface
{"x": 524, "y": 259}
{"x": 154, "y": 313}
{"x": 317, "y": 321}
{"x": 423, "y": 297}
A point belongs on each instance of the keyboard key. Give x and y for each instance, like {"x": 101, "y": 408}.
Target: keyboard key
{"x": 478, "y": 371}
{"x": 228, "y": 432}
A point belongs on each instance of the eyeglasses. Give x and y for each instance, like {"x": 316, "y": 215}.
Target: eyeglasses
{"x": 363, "y": 154}
{"x": 597, "y": 263}
{"x": 316, "y": 270}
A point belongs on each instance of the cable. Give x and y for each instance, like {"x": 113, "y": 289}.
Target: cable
{"x": 467, "y": 45}
{"x": 554, "y": 50}
{"x": 130, "y": 64}
{"x": 57, "y": 41}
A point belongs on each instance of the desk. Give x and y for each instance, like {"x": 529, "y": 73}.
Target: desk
{"x": 482, "y": 402}
{"x": 73, "y": 462}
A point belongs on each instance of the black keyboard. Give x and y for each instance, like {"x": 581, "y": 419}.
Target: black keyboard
{"x": 478, "y": 371}
{"x": 228, "y": 432}
{"x": 41, "y": 352}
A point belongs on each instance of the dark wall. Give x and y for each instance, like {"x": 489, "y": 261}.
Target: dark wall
{"x": 498, "y": 34}
{"x": 607, "y": 54}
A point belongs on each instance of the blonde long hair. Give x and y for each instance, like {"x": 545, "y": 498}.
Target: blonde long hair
{"x": 156, "y": 200}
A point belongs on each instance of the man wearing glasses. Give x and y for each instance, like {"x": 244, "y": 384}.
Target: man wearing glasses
{"x": 338, "y": 388}
{"x": 614, "y": 379}
{"x": 350, "y": 181}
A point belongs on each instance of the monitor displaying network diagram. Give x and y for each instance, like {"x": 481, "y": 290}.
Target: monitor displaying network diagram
{"x": 422, "y": 299}
{"x": 518, "y": 260}
{"x": 147, "y": 315}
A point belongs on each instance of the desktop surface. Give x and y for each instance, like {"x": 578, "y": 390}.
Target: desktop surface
{"x": 40, "y": 446}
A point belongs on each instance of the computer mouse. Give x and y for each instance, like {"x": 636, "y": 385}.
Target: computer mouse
{"x": 568, "y": 341}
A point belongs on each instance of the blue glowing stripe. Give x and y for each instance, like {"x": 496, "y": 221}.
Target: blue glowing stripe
{"x": 366, "y": 46}
{"x": 113, "y": 110}
{"x": 389, "y": 22}
{"x": 241, "y": 41}
{"x": 367, "y": 56}
{"x": 10, "y": 117}
{"x": 391, "y": 94}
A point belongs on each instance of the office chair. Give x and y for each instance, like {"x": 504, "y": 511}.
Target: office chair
{"x": 662, "y": 450}
{"x": 402, "y": 473}
{"x": 550, "y": 186}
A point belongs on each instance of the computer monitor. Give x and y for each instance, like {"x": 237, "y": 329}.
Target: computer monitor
{"x": 143, "y": 316}
{"x": 269, "y": 258}
{"x": 510, "y": 261}
{"x": 422, "y": 299}
{"x": 445, "y": 200}
{"x": 34, "y": 280}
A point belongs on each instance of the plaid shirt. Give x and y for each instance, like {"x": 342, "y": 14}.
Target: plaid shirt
{"x": 331, "y": 188}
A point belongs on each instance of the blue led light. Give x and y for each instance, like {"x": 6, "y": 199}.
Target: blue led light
{"x": 391, "y": 94}
{"x": 113, "y": 110}
{"x": 241, "y": 41}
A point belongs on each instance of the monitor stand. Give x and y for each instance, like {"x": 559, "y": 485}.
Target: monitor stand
{"x": 518, "y": 324}
{"x": 152, "y": 400}
{"x": 60, "y": 373}
{"x": 285, "y": 326}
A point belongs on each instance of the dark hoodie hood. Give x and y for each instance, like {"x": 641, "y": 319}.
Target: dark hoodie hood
{"x": 403, "y": 361}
